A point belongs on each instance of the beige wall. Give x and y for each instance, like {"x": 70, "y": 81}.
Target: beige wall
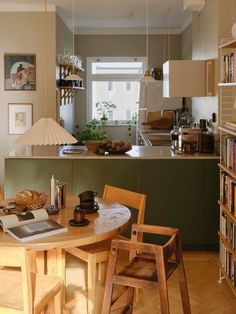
{"x": 64, "y": 41}
{"x": 186, "y": 43}
{"x": 122, "y": 46}
{"x": 23, "y": 33}
{"x": 205, "y": 34}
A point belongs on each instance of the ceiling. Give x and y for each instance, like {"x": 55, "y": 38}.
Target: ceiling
{"x": 112, "y": 16}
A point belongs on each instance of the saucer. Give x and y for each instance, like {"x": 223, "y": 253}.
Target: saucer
{"x": 85, "y": 222}
{"x": 87, "y": 211}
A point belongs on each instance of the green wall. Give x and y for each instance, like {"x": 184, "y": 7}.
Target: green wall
{"x": 180, "y": 193}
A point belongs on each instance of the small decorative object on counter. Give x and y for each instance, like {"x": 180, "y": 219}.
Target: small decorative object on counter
{"x": 52, "y": 209}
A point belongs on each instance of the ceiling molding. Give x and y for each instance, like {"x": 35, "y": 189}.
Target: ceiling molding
{"x": 126, "y": 31}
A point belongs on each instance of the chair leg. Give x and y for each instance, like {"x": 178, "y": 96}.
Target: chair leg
{"x": 91, "y": 283}
{"x": 101, "y": 272}
{"x": 184, "y": 289}
{"x": 162, "y": 286}
{"x": 130, "y": 301}
{"x": 106, "y": 306}
{"x": 139, "y": 295}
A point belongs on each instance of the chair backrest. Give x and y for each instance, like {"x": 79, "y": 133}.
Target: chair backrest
{"x": 170, "y": 247}
{"x": 127, "y": 198}
{"x": 18, "y": 257}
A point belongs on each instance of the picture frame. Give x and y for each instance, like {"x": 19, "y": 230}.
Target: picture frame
{"x": 19, "y": 71}
{"x": 210, "y": 77}
{"x": 20, "y": 117}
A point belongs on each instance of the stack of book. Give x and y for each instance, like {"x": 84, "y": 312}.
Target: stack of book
{"x": 228, "y": 148}
{"x": 228, "y": 192}
{"x": 229, "y": 68}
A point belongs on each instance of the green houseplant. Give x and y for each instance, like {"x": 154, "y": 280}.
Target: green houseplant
{"x": 103, "y": 108}
{"x": 92, "y": 135}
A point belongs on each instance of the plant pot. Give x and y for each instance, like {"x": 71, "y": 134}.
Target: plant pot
{"x": 92, "y": 144}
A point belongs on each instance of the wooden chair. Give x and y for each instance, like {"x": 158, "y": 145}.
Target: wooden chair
{"x": 25, "y": 292}
{"x": 150, "y": 266}
{"x": 99, "y": 252}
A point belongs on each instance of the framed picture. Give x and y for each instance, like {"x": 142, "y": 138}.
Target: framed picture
{"x": 20, "y": 71}
{"x": 210, "y": 77}
{"x": 19, "y": 118}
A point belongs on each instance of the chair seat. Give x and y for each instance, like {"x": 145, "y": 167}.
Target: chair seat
{"x": 145, "y": 269}
{"x": 11, "y": 283}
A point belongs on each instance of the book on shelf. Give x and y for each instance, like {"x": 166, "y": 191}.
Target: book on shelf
{"x": 32, "y": 225}
{"x": 228, "y": 68}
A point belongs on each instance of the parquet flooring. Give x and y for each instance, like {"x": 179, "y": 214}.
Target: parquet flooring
{"x": 207, "y": 295}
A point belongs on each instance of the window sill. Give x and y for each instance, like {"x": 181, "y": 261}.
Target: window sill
{"x": 118, "y": 124}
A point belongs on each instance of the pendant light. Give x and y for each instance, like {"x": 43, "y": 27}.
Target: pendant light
{"x": 73, "y": 76}
{"x": 46, "y": 131}
{"x": 147, "y": 78}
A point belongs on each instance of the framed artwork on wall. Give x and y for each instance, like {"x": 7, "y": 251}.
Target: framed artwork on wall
{"x": 20, "y": 71}
{"x": 20, "y": 118}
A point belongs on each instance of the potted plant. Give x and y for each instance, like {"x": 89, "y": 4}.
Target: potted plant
{"x": 103, "y": 108}
{"x": 92, "y": 135}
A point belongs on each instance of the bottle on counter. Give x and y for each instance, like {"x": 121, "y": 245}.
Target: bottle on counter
{"x": 52, "y": 190}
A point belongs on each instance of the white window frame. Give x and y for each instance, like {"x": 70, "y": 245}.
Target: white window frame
{"x": 106, "y": 77}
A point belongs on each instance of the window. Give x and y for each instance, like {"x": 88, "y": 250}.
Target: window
{"x": 113, "y": 87}
{"x": 109, "y": 86}
{"x": 128, "y": 86}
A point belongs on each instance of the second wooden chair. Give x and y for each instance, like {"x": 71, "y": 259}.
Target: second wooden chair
{"x": 98, "y": 253}
{"x": 22, "y": 291}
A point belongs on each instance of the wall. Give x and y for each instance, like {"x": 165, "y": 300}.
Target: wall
{"x": 122, "y": 46}
{"x": 64, "y": 42}
{"x": 205, "y": 34}
{"x": 186, "y": 43}
{"x": 23, "y": 32}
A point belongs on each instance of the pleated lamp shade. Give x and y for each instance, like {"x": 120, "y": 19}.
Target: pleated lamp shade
{"x": 46, "y": 131}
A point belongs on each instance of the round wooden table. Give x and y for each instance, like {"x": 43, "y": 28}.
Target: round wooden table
{"x": 111, "y": 219}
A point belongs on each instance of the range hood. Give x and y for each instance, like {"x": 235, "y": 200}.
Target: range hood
{"x": 184, "y": 78}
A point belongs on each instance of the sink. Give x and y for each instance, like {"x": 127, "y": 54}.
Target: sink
{"x": 159, "y": 142}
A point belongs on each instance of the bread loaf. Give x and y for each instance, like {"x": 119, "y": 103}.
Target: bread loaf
{"x": 27, "y": 197}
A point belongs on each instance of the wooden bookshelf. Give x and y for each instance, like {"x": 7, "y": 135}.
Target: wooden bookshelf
{"x": 227, "y": 92}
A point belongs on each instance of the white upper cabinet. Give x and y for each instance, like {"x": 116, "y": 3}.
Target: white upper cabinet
{"x": 184, "y": 78}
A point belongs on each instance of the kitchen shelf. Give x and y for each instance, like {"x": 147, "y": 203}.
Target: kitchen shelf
{"x": 68, "y": 92}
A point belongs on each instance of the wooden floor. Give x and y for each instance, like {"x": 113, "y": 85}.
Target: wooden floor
{"x": 207, "y": 295}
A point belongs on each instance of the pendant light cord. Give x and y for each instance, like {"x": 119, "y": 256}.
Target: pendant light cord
{"x": 46, "y": 59}
{"x": 73, "y": 42}
{"x": 147, "y": 32}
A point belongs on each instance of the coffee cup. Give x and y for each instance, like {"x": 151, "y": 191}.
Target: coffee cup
{"x": 89, "y": 205}
{"x": 87, "y": 196}
{"x": 78, "y": 216}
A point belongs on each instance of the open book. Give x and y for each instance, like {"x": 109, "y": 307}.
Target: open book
{"x": 28, "y": 226}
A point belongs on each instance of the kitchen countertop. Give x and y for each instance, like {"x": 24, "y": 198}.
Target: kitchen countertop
{"x": 137, "y": 152}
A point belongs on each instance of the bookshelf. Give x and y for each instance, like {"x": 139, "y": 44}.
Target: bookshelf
{"x": 227, "y": 165}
